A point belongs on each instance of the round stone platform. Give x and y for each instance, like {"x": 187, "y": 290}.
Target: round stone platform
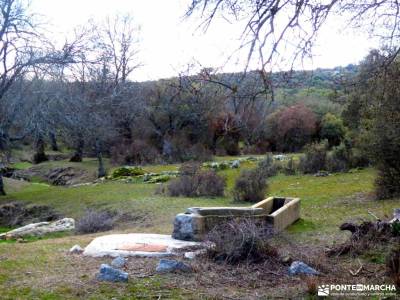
{"x": 136, "y": 244}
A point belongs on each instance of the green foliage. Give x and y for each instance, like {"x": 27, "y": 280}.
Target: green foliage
{"x": 332, "y": 129}
{"x": 126, "y": 172}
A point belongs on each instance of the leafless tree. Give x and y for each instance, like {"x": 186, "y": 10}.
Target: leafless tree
{"x": 23, "y": 46}
{"x": 289, "y": 28}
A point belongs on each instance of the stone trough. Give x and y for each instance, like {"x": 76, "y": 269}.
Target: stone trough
{"x": 196, "y": 222}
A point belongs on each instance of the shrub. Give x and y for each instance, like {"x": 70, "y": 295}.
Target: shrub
{"x": 127, "y": 171}
{"x": 241, "y": 240}
{"x": 387, "y": 183}
{"x": 290, "y": 167}
{"x": 314, "y": 158}
{"x": 197, "y": 183}
{"x": 332, "y": 129}
{"x": 339, "y": 160}
{"x": 268, "y": 167}
{"x": 210, "y": 184}
{"x": 250, "y": 186}
{"x": 95, "y": 221}
{"x": 393, "y": 266}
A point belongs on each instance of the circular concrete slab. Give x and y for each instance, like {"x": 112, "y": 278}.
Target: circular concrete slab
{"x": 136, "y": 244}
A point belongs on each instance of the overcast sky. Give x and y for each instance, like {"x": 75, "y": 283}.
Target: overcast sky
{"x": 169, "y": 43}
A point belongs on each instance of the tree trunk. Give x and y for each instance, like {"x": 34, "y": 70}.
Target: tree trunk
{"x": 101, "y": 170}
{"x": 2, "y": 192}
{"x": 40, "y": 155}
{"x": 53, "y": 141}
{"x": 78, "y": 155}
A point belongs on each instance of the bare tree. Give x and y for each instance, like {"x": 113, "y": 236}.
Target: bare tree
{"x": 23, "y": 46}
{"x": 289, "y": 28}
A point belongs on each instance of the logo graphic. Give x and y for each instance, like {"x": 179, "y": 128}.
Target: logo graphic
{"x": 323, "y": 290}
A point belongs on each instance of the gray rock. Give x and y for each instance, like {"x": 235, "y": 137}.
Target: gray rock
{"x": 396, "y": 215}
{"x": 76, "y": 249}
{"x": 169, "y": 265}
{"x": 108, "y": 273}
{"x": 193, "y": 254}
{"x": 298, "y": 268}
{"x": 183, "y": 228}
{"x": 118, "y": 262}
{"x": 39, "y": 229}
{"x": 235, "y": 164}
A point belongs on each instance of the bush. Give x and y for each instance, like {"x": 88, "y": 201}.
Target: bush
{"x": 138, "y": 152}
{"x": 241, "y": 240}
{"x": 95, "y": 221}
{"x": 268, "y": 167}
{"x": 393, "y": 266}
{"x": 332, "y": 129}
{"x": 197, "y": 183}
{"x": 250, "y": 186}
{"x": 314, "y": 158}
{"x": 339, "y": 160}
{"x": 127, "y": 172}
{"x": 290, "y": 167}
{"x": 387, "y": 183}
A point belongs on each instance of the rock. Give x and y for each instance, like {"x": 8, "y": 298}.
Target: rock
{"x": 235, "y": 164}
{"x": 287, "y": 260}
{"x": 108, "y": 273}
{"x": 322, "y": 174}
{"x": 76, "y": 249}
{"x": 39, "y": 229}
{"x": 187, "y": 227}
{"x": 396, "y": 215}
{"x": 193, "y": 254}
{"x": 168, "y": 265}
{"x": 118, "y": 262}
{"x": 298, "y": 268}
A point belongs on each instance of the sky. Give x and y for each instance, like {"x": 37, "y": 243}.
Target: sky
{"x": 169, "y": 42}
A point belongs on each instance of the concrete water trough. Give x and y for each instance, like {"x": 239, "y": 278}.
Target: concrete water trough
{"x": 196, "y": 222}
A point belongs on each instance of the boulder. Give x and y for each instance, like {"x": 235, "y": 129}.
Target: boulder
{"x": 118, "y": 262}
{"x": 396, "y": 215}
{"x": 108, "y": 273}
{"x": 235, "y": 164}
{"x": 300, "y": 268}
{"x": 76, "y": 250}
{"x": 40, "y": 229}
{"x": 169, "y": 265}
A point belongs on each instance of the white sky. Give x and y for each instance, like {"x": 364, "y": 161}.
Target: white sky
{"x": 169, "y": 43}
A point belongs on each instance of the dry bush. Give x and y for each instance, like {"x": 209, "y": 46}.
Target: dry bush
{"x": 393, "y": 266}
{"x": 250, "y": 186}
{"x": 290, "y": 168}
{"x": 314, "y": 158}
{"x": 312, "y": 284}
{"x": 268, "y": 167}
{"x": 95, "y": 221}
{"x": 365, "y": 236}
{"x": 195, "y": 182}
{"x": 241, "y": 240}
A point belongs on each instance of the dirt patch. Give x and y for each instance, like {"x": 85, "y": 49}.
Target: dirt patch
{"x": 18, "y": 214}
{"x": 63, "y": 176}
